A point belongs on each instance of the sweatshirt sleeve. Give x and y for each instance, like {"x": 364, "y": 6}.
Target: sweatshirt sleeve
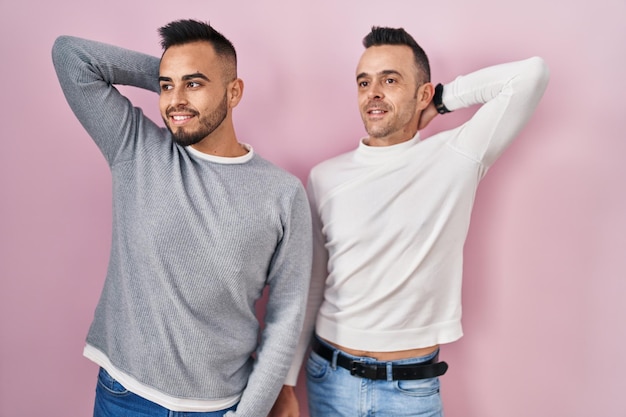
{"x": 319, "y": 273}
{"x": 87, "y": 72}
{"x": 509, "y": 93}
{"x": 288, "y": 280}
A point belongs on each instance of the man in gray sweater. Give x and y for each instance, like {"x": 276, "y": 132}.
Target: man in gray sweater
{"x": 201, "y": 224}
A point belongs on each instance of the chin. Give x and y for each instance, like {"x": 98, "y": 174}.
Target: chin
{"x": 377, "y": 134}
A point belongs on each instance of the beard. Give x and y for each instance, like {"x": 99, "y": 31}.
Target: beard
{"x": 396, "y": 123}
{"x": 207, "y": 123}
{"x": 376, "y": 129}
{"x": 379, "y": 131}
{"x": 401, "y": 117}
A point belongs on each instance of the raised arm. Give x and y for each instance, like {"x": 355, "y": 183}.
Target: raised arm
{"x": 87, "y": 71}
{"x": 509, "y": 94}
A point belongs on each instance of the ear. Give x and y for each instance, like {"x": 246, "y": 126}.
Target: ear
{"x": 425, "y": 95}
{"x": 235, "y": 92}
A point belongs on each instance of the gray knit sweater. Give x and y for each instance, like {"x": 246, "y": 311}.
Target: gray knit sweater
{"x": 194, "y": 244}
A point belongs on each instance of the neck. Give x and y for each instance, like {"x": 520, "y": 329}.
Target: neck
{"x": 228, "y": 149}
{"x": 221, "y": 142}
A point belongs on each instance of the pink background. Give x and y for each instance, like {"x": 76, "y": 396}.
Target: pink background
{"x": 544, "y": 298}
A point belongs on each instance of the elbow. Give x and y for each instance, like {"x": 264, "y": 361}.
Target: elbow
{"x": 59, "y": 44}
{"x": 539, "y": 72}
{"x": 59, "y": 48}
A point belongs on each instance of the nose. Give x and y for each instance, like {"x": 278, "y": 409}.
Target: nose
{"x": 177, "y": 97}
{"x": 375, "y": 92}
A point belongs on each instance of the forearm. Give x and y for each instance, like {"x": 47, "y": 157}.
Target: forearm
{"x": 80, "y": 62}
{"x": 526, "y": 79}
{"x": 274, "y": 355}
{"x": 316, "y": 296}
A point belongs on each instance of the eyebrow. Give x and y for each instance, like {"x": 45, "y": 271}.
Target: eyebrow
{"x": 383, "y": 72}
{"x": 186, "y": 77}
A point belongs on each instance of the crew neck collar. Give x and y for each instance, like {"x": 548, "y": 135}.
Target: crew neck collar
{"x": 379, "y": 154}
{"x": 224, "y": 159}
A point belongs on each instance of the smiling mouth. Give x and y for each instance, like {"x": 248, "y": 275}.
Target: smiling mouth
{"x": 180, "y": 119}
{"x": 376, "y": 113}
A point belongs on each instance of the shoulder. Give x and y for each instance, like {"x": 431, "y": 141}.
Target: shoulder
{"x": 271, "y": 176}
{"x": 334, "y": 164}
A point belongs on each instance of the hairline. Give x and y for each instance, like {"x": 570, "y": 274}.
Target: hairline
{"x": 228, "y": 62}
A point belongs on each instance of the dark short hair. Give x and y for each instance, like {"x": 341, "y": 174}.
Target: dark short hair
{"x": 398, "y": 36}
{"x": 180, "y": 32}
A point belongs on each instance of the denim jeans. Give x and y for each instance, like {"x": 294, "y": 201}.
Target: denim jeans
{"x": 332, "y": 391}
{"x": 113, "y": 400}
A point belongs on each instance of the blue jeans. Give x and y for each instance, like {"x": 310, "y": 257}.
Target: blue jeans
{"x": 113, "y": 400}
{"x": 332, "y": 391}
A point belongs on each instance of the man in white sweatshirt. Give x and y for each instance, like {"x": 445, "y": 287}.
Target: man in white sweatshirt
{"x": 389, "y": 223}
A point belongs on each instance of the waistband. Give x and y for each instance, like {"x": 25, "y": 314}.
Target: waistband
{"x": 431, "y": 368}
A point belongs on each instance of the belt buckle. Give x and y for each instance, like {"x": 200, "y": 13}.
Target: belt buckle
{"x": 363, "y": 370}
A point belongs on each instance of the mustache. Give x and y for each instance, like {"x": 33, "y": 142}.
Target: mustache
{"x": 181, "y": 109}
{"x": 376, "y": 106}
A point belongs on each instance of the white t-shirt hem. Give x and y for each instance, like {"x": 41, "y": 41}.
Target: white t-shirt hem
{"x": 151, "y": 394}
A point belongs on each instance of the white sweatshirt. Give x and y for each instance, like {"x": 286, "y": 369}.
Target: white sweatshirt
{"x": 390, "y": 222}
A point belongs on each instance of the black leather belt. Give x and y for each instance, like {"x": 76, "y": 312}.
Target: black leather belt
{"x": 429, "y": 369}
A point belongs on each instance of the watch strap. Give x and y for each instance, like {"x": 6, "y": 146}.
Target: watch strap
{"x": 437, "y": 100}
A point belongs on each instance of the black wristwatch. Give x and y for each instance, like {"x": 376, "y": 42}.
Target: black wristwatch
{"x": 441, "y": 108}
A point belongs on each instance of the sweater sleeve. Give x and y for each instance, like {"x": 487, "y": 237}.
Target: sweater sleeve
{"x": 509, "y": 93}
{"x": 319, "y": 273}
{"x": 288, "y": 280}
{"x": 87, "y": 71}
